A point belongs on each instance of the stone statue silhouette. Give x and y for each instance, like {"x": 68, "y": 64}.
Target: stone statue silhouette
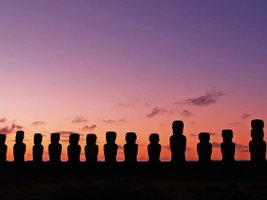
{"x": 3, "y": 148}
{"x": 178, "y": 142}
{"x": 54, "y": 149}
{"x": 19, "y": 148}
{"x": 37, "y": 149}
{"x": 257, "y": 146}
{"x": 91, "y": 149}
{"x": 154, "y": 148}
{"x": 74, "y": 149}
{"x": 130, "y": 148}
{"x": 110, "y": 148}
{"x": 227, "y": 146}
{"x": 204, "y": 147}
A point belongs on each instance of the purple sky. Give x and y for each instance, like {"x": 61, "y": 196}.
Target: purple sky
{"x": 62, "y": 59}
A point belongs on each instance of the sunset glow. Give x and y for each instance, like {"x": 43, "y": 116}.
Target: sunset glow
{"x": 93, "y": 66}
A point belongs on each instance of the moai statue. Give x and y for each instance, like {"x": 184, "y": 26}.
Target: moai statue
{"x": 227, "y": 146}
{"x": 19, "y": 148}
{"x": 3, "y": 148}
{"x": 154, "y": 148}
{"x": 91, "y": 149}
{"x": 74, "y": 149}
{"x": 37, "y": 149}
{"x": 177, "y": 142}
{"x": 130, "y": 148}
{"x": 110, "y": 148}
{"x": 54, "y": 149}
{"x": 204, "y": 147}
{"x": 257, "y": 146}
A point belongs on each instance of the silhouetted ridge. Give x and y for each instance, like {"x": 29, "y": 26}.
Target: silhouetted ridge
{"x": 3, "y": 148}
{"x": 74, "y": 149}
{"x": 178, "y": 142}
{"x": 227, "y": 146}
{"x": 204, "y": 147}
{"x": 19, "y": 148}
{"x": 130, "y": 148}
{"x": 257, "y": 146}
{"x": 154, "y": 148}
{"x": 54, "y": 149}
{"x": 110, "y": 148}
{"x": 38, "y": 149}
{"x": 91, "y": 149}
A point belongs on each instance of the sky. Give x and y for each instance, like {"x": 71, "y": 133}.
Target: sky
{"x": 122, "y": 65}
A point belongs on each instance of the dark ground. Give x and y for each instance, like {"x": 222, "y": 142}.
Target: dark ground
{"x": 241, "y": 180}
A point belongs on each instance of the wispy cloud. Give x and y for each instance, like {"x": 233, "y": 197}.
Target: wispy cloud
{"x": 167, "y": 147}
{"x": 64, "y": 140}
{"x": 89, "y": 128}
{"x": 64, "y": 133}
{"x": 109, "y": 121}
{"x": 242, "y": 147}
{"x": 38, "y": 123}
{"x": 122, "y": 104}
{"x": 11, "y": 129}
{"x": 112, "y": 121}
{"x": 189, "y": 149}
{"x": 64, "y": 136}
{"x": 186, "y": 113}
{"x": 78, "y": 120}
{"x": 211, "y": 134}
{"x": 156, "y": 111}
{"x": 216, "y": 144}
{"x": 233, "y": 123}
{"x": 122, "y": 120}
{"x": 133, "y": 102}
{"x": 246, "y": 116}
{"x": 204, "y": 100}
{"x": 2, "y": 120}
{"x": 239, "y": 147}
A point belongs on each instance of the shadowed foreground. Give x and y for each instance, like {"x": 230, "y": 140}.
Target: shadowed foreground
{"x": 134, "y": 180}
{"x": 241, "y": 180}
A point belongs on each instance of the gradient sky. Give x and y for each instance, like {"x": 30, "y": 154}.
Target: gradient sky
{"x": 93, "y": 66}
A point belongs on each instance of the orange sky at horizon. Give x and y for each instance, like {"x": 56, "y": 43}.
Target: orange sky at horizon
{"x": 94, "y": 66}
{"x": 190, "y": 131}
